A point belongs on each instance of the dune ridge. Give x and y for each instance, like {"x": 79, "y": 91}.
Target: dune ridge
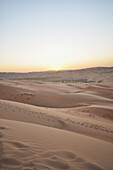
{"x": 43, "y": 95}
{"x": 57, "y": 118}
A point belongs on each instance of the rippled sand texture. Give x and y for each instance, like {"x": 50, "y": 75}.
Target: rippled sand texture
{"x": 56, "y": 125}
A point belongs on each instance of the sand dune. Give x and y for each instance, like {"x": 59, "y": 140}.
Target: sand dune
{"x": 54, "y": 125}
{"x": 48, "y": 96}
{"x": 34, "y": 146}
{"x": 60, "y": 118}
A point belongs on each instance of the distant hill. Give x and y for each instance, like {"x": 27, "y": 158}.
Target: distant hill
{"x": 93, "y": 74}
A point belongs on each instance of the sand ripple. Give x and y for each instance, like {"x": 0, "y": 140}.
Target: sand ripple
{"x": 22, "y": 154}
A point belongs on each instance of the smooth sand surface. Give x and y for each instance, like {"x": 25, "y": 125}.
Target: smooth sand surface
{"x": 48, "y": 125}
{"x": 34, "y": 146}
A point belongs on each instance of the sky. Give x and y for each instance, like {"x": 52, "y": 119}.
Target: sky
{"x": 38, "y": 35}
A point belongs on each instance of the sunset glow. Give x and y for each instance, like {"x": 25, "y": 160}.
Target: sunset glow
{"x": 55, "y": 34}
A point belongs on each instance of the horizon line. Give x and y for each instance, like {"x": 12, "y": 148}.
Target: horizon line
{"x": 56, "y": 70}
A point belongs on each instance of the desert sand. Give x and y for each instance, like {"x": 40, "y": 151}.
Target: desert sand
{"x": 57, "y": 120}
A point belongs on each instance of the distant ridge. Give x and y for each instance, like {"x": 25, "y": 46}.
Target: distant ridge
{"x": 50, "y": 71}
{"x": 85, "y": 75}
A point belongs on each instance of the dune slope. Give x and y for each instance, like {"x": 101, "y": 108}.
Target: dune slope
{"x": 34, "y": 146}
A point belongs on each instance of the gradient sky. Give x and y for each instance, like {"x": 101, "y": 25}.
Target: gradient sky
{"x": 55, "y": 34}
